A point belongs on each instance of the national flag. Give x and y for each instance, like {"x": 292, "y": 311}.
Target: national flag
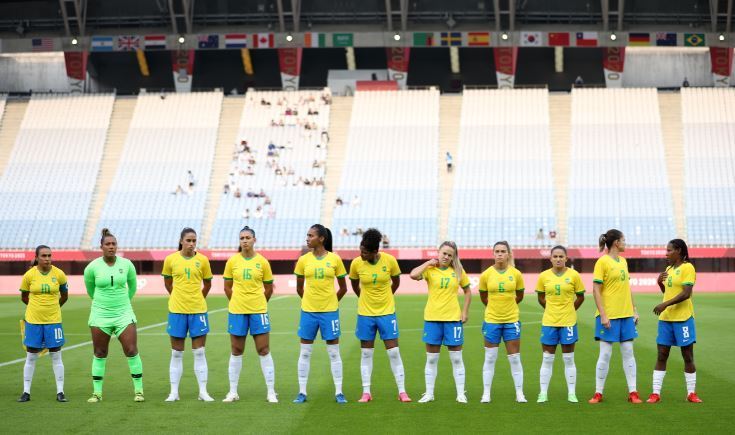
{"x": 262, "y": 40}
{"x": 694, "y": 39}
{"x": 423, "y": 39}
{"x": 127, "y": 42}
{"x": 155, "y": 42}
{"x": 342, "y": 39}
{"x": 315, "y": 40}
{"x": 586, "y": 39}
{"x": 42, "y": 44}
{"x": 208, "y": 41}
{"x": 531, "y": 39}
{"x": 451, "y": 38}
{"x": 236, "y": 40}
{"x": 102, "y": 43}
{"x": 664, "y": 39}
{"x": 639, "y": 39}
{"x": 558, "y": 39}
{"x": 475, "y": 39}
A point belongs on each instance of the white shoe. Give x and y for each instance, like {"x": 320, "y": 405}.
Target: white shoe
{"x": 172, "y": 397}
{"x": 425, "y": 398}
{"x": 231, "y": 397}
{"x": 272, "y": 397}
{"x": 521, "y": 398}
{"x": 205, "y": 397}
{"x": 461, "y": 398}
{"x": 485, "y": 398}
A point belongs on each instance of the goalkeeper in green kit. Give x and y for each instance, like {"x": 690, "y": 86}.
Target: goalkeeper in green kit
{"x": 111, "y": 283}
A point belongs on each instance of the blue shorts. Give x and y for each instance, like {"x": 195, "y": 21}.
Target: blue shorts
{"x": 240, "y": 324}
{"x": 680, "y": 334}
{"x": 387, "y": 325}
{"x": 44, "y": 336}
{"x": 493, "y": 332}
{"x": 327, "y": 323}
{"x": 620, "y": 330}
{"x": 553, "y": 335}
{"x": 195, "y": 324}
{"x": 446, "y": 333}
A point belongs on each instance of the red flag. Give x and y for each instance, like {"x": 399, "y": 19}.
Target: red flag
{"x": 559, "y": 39}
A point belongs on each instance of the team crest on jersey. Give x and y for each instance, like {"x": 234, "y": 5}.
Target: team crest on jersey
{"x": 120, "y": 270}
{"x": 197, "y": 264}
{"x": 257, "y": 265}
{"x": 385, "y": 269}
{"x": 53, "y": 279}
{"x": 454, "y": 275}
{"x": 678, "y": 271}
{"x": 328, "y": 265}
{"x": 510, "y": 278}
{"x": 567, "y": 280}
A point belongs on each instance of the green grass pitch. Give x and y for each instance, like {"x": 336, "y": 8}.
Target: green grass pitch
{"x": 714, "y": 355}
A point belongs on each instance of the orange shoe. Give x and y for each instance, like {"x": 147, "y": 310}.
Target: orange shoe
{"x": 692, "y": 397}
{"x": 597, "y": 398}
{"x": 403, "y": 397}
{"x": 633, "y": 397}
{"x": 653, "y": 398}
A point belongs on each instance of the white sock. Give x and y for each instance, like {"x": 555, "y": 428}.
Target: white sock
{"x": 304, "y": 365}
{"x": 234, "y": 372}
{"x": 547, "y": 367}
{"x": 570, "y": 372}
{"x": 58, "y": 366}
{"x": 658, "y": 380}
{"x": 396, "y": 364}
{"x": 488, "y": 369}
{"x": 629, "y": 367}
{"x": 200, "y": 368}
{"x": 28, "y": 369}
{"x": 603, "y": 366}
{"x": 432, "y": 363}
{"x": 269, "y": 371}
{"x": 458, "y": 370}
{"x": 366, "y": 368}
{"x": 516, "y": 370}
{"x": 176, "y": 369}
{"x": 336, "y": 364}
{"x": 691, "y": 379}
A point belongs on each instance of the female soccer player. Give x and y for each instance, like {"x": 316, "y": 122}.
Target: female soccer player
{"x": 616, "y": 316}
{"x": 188, "y": 278}
{"x": 315, "y": 273}
{"x": 561, "y": 293}
{"x": 375, "y": 277}
{"x": 443, "y": 318}
{"x": 44, "y": 290}
{"x": 111, "y": 283}
{"x": 249, "y": 286}
{"x": 676, "y": 318}
{"x": 501, "y": 290}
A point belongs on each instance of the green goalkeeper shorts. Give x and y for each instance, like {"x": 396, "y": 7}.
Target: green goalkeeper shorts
{"x": 112, "y": 326}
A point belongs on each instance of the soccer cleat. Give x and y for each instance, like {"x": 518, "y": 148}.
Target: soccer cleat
{"x": 96, "y": 398}
{"x": 461, "y": 398}
{"x": 366, "y": 397}
{"x": 542, "y": 398}
{"x": 340, "y": 398}
{"x": 139, "y": 397}
{"x": 597, "y": 398}
{"x": 521, "y": 398}
{"x": 426, "y": 397}
{"x": 25, "y": 397}
{"x": 692, "y": 397}
{"x": 571, "y": 397}
{"x": 60, "y": 397}
{"x": 173, "y": 397}
{"x": 231, "y": 397}
{"x": 403, "y": 397}
{"x": 653, "y": 398}
{"x": 205, "y": 397}
{"x": 634, "y": 398}
{"x": 272, "y": 397}
{"x": 485, "y": 398}
{"x": 301, "y": 398}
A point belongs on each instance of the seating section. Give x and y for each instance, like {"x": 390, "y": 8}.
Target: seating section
{"x": 389, "y": 179}
{"x": 618, "y": 175}
{"x": 277, "y": 173}
{"x": 47, "y": 185}
{"x": 708, "y": 119}
{"x": 152, "y": 196}
{"x": 503, "y": 187}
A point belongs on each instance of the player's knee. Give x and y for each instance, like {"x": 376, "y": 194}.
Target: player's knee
{"x": 100, "y": 352}
{"x": 131, "y": 351}
{"x": 663, "y": 355}
{"x": 263, "y": 351}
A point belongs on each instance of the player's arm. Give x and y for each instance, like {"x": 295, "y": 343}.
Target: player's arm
{"x": 168, "y": 282}
{"x": 395, "y": 282}
{"x": 300, "y": 285}
{"x": 578, "y": 301}
{"x": 63, "y": 294}
{"x": 686, "y": 293}
{"x": 206, "y": 277}
{"x": 467, "y": 302}
{"x": 355, "y": 283}
{"x": 206, "y": 286}
{"x": 635, "y": 309}
{"x": 132, "y": 281}
{"x": 519, "y": 295}
{"x": 89, "y": 281}
{"x": 267, "y": 290}
{"x": 342, "y": 283}
{"x": 24, "y": 296}
{"x": 541, "y": 298}
{"x": 661, "y": 279}
{"x": 228, "y": 288}
{"x": 597, "y": 293}
{"x": 418, "y": 272}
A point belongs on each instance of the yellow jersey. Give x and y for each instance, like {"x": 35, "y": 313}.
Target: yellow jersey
{"x": 561, "y": 291}
{"x": 43, "y": 301}
{"x": 615, "y": 279}
{"x": 674, "y": 284}
{"x": 187, "y": 274}
{"x": 319, "y": 274}
{"x": 501, "y": 291}
{"x": 376, "y": 294}
{"x": 248, "y": 276}
{"x": 443, "y": 305}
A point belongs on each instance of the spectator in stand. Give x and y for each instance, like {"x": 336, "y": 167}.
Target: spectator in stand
{"x": 258, "y": 213}
{"x": 552, "y": 234}
{"x": 190, "y": 178}
{"x": 237, "y": 193}
{"x": 355, "y": 201}
{"x": 227, "y": 189}
{"x": 685, "y": 83}
{"x": 449, "y": 161}
{"x": 338, "y": 202}
{"x": 246, "y": 213}
{"x": 344, "y": 232}
{"x": 540, "y": 234}
{"x": 386, "y": 241}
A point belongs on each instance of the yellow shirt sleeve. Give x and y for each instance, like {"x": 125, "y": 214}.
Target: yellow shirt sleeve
{"x": 483, "y": 282}
{"x": 25, "y": 284}
{"x": 353, "y": 270}
{"x": 299, "y": 269}
{"x": 540, "y": 283}
{"x": 62, "y": 277}
{"x": 689, "y": 277}
{"x": 598, "y": 275}
{"x": 206, "y": 269}
{"x": 395, "y": 270}
{"x": 166, "y": 271}
{"x": 464, "y": 280}
{"x": 578, "y": 284}
{"x": 267, "y": 273}
{"x": 228, "y": 270}
{"x": 339, "y": 268}
{"x": 520, "y": 285}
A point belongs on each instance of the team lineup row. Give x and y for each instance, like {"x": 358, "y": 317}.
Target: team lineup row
{"x": 375, "y": 276}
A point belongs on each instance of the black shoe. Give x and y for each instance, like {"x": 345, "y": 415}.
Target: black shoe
{"x": 25, "y": 397}
{"x": 60, "y": 397}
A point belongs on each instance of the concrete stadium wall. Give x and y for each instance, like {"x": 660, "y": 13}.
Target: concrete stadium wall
{"x": 38, "y": 72}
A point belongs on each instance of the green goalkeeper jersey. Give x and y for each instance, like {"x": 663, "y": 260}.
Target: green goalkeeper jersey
{"x": 110, "y": 287}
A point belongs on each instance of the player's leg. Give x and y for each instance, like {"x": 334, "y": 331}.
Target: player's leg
{"x": 454, "y": 339}
{"x": 547, "y": 362}
{"x": 308, "y": 327}
{"x": 33, "y": 341}
{"x": 628, "y": 333}
{"x": 237, "y": 347}
{"x": 176, "y": 329}
{"x": 260, "y": 330}
{"x": 605, "y": 336}
{"x": 100, "y": 344}
{"x": 433, "y": 337}
{"x": 570, "y": 371}
{"x": 687, "y": 336}
{"x": 388, "y": 328}
{"x": 330, "y": 330}
{"x": 54, "y": 339}
{"x": 512, "y": 339}
{"x": 491, "y": 333}
{"x": 365, "y": 332}
{"x": 198, "y": 330}
{"x": 129, "y": 341}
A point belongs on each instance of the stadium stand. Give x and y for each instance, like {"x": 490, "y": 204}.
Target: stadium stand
{"x": 49, "y": 179}
{"x": 709, "y": 164}
{"x": 618, "y": 173}
{"x": 389, "y": 178}
{"x": 152, "y": 196}
{"x": 503, "y": 188}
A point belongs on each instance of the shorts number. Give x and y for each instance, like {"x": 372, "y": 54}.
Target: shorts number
{"x": 395, "y": 326}
{"x": 246, "y": 274}
{"x": 264, "y": 319}
{"x": 203, "y": 319}
{"x": 558, "y": 289}
{"x": 570, "y": 331}
{"x": 319, "y": 273}
{"x": 518, "y": 327}
{"x": 685, "y": 331}
{"x": 59, "y": 334}
{"x": 444, "y": 283}
{"x": 375, "y": 278}
{"x": 335, "y": 325}
{"x": 457, "y": 332}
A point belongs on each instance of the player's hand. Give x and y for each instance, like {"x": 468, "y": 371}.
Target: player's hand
{"x": 660, "y": 308}
{"x": 635, "y": 317}
{"x": 465, "y": 317}
{"x": 662, "y": 277}
{"x": 605, "y": 321}
{"x": 434, "y": 262}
